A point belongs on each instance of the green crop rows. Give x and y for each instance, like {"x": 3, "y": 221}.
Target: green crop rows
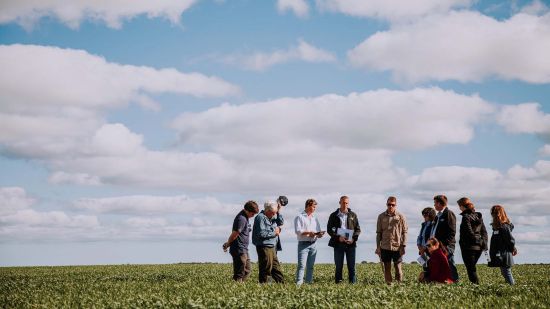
{"x": 210, "y": 286}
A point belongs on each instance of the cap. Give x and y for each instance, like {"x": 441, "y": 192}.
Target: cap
{"x": 283, "y": 200}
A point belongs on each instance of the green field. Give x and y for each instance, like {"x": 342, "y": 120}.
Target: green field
{"x": 209, "y": 286}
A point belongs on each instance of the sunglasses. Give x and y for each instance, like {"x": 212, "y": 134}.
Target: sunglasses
{"x": 390, "y": 205}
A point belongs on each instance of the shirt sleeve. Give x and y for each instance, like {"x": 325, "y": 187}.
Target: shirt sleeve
{"x": 298, "y": 226}
{"x": 239, "y": 224}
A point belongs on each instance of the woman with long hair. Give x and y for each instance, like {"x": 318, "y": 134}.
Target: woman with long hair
{"x": 473, "y": 237}
{"x": 439, "y": 270}
{"x": 503, "y": 244}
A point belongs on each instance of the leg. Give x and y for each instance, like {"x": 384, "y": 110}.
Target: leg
{"x": 397, "y": 259}
{"x": 245, "y": 259}
{"x": 312, "y": 254}
{"x": 262, "y": 264}
{"x": 507, "y": 274}
{"x": 237, "y": 266}
{"x": 387, "y": 272}
{"x": 302, "y": 254}
{"x": 452, "y": 265}
{"x": 276, "y": 272}
{"x": 398, "y": 271}
{"x": 350, "y": 260}
{"x": 339, "y": 262}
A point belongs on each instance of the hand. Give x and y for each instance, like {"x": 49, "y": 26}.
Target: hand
{"x": 277, "y": 231}
{"x": 377, "y": 251}
{"x": 421, "y": 251}
{"x": 225, "y": 246}
{"x": 349, "y": 242}
{"x": 311, "y": 234}
{"x": 341, "y": 239}
{"x": 402, "y": 250}
{"x": 515, "y": 252}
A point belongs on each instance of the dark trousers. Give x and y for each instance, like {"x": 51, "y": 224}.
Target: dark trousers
{"x": 268, "y": 265}
{"x": 452, "y": 265}
{"x": 470, "y": 258}
{"x": 241, "y": 266}
{"x": 339, "y": 252}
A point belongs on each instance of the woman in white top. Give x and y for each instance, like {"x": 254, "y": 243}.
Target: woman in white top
{"x": 308, "y": 229}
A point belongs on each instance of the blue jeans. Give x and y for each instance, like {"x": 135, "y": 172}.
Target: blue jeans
{"x": 349, "y": 252}
{"x": 307, "y": 252}
{"x": 452, "y": 265}
{"x": 507, "y": 274}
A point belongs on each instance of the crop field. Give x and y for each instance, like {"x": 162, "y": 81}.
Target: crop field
{"x": 210, "y": 286}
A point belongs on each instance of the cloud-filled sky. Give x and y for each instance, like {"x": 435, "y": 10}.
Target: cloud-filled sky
{"x": 132, "y": 131}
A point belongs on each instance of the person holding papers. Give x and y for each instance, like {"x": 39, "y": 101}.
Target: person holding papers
{"x": 308, "y": 230}
{"x": 343, "y": 228}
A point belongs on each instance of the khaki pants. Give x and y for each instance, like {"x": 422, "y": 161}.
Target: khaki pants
{"x": 268, "y": 265}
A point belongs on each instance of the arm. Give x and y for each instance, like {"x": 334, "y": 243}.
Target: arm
{"x": 356, "y": 229}
{"x": 484, "y": 236}
{"x": 508, "y": 239}
{"x": 231, "y": 238}
{"x": 331, "y": 225}
{"x": 378, "y": 234}
{"x": 279, "y": 219}
{"x": 469, "y": 229}
{"x": 404, "y": 231}
{"x": 451, "y": 220}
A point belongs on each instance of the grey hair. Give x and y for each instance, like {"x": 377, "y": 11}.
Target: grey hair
{"x": 270, "y": 206}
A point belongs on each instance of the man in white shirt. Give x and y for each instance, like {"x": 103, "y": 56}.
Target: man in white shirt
{"x": 308, "y": 230}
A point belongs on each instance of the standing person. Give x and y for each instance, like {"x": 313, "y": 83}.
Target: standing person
{"x": 282, "y": 201}
{"x": 425, "y": 230}
{"x": 344, "y": 218}
{"x": 428, "y": 214}
{"x": 264, "y": 237}
{"x": 238, "y": 241}
{"x": 308, "y": 230}
{"x": 473, "y": 237}
{"x": 503, "y": 244}
{"x": 391, "y": 239}
{"x": 439, "y": 270}
{"x": 445, "y": 230}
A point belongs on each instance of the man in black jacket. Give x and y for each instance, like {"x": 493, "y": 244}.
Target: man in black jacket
{"x": 343, "y": 218}
{"x": 445, "y": 230}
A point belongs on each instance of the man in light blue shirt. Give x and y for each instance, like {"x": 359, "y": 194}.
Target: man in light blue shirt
{"x": 308, "y": 230}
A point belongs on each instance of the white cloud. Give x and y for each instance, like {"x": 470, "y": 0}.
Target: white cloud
{"x": 76, "y": 178}
{"x": 261, "y": 61}
{"x": 381, "y": 119}
{"x": 13, "y": 199}
{"x": 521, "y": 190}
{"x": 545, "y": 150}
{"x": 156, "y": 205}
{"x": 52, "y": 98}
{"x": 464, "y": 46}
{"x": 534, "y": 8}
{"x": 524, "y": 118}
{"x": 298, "y": 7}
{"x": 73, "y": 12}
{"x": 394, "y": 10}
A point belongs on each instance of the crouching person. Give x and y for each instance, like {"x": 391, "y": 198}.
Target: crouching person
{"x": 439, "y": 270}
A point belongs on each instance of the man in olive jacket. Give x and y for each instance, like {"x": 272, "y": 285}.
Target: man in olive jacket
{"x": 343, "y": 217}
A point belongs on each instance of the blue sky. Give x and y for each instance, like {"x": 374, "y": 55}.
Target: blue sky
{"x": 133, "y": 131}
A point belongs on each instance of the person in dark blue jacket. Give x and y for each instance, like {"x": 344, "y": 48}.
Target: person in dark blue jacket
{"x": 503, "y": 244}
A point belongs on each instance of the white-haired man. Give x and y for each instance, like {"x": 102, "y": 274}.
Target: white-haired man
{"x": 264, "y": 237}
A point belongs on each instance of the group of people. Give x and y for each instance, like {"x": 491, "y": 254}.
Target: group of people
{"x": 435, "y": 242}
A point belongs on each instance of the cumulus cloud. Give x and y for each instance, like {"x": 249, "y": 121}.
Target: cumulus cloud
{"x": 73, "y": 12}
{"x": 461, "y": 45}
{"x": 52, "y": 97}
{"x": 545, "y": 150}
{"x": 155, "y": 205}
{"x": 13, "y": 199}
{"x": 393, "y": 10}
{"x": 524, "y": 118}
{"x": 522, "y": 189}
{"x": 298, "y": 7}
{"x": 261, "y": 61}
{"x": 368, "y": 120}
